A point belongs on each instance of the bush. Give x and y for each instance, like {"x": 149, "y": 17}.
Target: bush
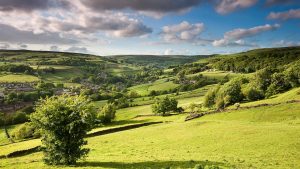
{"x": 64, "y": 122}
{"x": 252, "y": 94}
{"x": 210, "y": 97}
{"x": 24, "y": 131}
{"x": 17, "y": 118}
{"x": 165, "y": 106}
{"x": 230, "y": 93}
{"x": 292, "y": 74}
{"x": 107, "y": 113}
{"x": 199, "y": 166}
{"x": 279, "y": 84}
{"x": 263, "y": 78}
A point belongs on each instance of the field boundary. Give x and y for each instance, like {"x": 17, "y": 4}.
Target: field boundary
{"x": 123, "y": 128}
{"x": 98, "y": 133}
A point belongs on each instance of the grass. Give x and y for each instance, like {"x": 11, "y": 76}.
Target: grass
{"x": 3, "y": 138}
{"x": 18, "y": 78}
{"x": 4, "y": 150}
{"x": 254, "y": 138}
{"x": 62, "y": 75}
{"x": 159, "y": 85}
{"x": 219, "y": 75}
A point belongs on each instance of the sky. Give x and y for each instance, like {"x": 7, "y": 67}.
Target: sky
{"x": 157, "y": 27}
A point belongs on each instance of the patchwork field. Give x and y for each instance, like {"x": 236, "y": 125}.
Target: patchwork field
{"x": 159, "y": 85}
{"x": 11, "y": 78}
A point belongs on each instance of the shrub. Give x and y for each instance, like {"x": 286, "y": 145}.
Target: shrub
{"x": 107, "y": 113}
{"x": 263, "y": 78}
{"x": 64, "y": 122}
{"x": 220, "y": 104}
{"x": 24, "y": 131}
{"x": 210, "y": 97}
{"x": 133, "y": 94}
{"x": 19, "y": 117}
{"x": 292, "y": 74}
{"x": 230, "y": 93}
{"x": 199, "y": 166}
{"x": 279, "y": 84}
{"x": 165, "y": 106}
{"x": 252, "y": 94}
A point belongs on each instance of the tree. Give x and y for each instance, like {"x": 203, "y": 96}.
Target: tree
{"x": 263, "y": 78}
{"x": 63, "y": 121}
{"x": 293, "y": 74}
{"x": 230, "y": 93}
{"x": 165, "y": 106}
{"x": 252, "y": 93}
{"x": 107, "y": 113}
{"x": 278, "y": 84}
{"x": 210, "y": 97}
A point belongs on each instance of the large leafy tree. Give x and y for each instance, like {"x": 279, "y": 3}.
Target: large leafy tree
{"x": 64, "y": 121}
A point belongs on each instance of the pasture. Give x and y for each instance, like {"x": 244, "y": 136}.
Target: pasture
{"x": 236, "y": 139}
{"x": 18, "y": 78}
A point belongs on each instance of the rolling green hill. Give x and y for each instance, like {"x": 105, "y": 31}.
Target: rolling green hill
{"x": 264, "y": 137}
{"x": 261, "y": 134}
{"x": 251, "y": 61}
{"x": 157, "y": 60}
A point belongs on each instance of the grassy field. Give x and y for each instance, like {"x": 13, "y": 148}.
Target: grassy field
{"x": 265, "y": 137}
{"x": 18, "y": 78}
{"x": 237, "y": 139}
{"x": 219, "y": 75}
{"x": 159, "y": 85}
{"x": 62, "y": 75}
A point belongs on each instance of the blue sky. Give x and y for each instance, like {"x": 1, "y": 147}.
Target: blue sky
{"x": 110, "y": 27}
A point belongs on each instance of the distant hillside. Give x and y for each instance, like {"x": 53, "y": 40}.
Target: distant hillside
{"x": 157, "y": 60}
{"x": 251, "y": 61}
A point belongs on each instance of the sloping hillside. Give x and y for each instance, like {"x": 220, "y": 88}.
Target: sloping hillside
{"x": 157, "y": 60}
{"x": 254, "y": 60}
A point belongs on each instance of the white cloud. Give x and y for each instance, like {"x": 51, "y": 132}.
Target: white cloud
{"x": 13, "y": 35}
{"x": 4, "y": 45}
{"x": 291, "y": 14}
{"x": 236, "y": 36}
{"x": 227, "y": 6}
{"x": 168, "y": 52}
{"x": 183, "y": 32}
{"x": 64, "y": 25}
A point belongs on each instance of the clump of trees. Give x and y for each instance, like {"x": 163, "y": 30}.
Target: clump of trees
{"x": 222, "y": 96}
{"x": 265, "y": 83}
{"x": 17, "y": 68}
{"x": 14, "y": 118}
{"x": 253, "y": 61}
{"x": 63, "y": 122}
{"x": 165, "y": 106}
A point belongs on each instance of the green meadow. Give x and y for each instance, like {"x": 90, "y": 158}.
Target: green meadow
{"x": 263, "y": 137}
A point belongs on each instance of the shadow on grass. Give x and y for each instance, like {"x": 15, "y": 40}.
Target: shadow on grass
{"x": 151, "y": 164}
{"x": 124, "y": 122}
